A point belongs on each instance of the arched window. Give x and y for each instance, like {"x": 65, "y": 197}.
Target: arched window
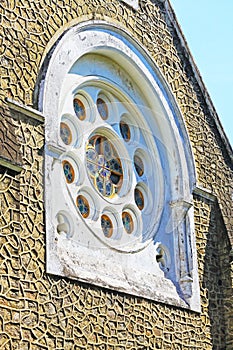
{"x": 119, "y": 170}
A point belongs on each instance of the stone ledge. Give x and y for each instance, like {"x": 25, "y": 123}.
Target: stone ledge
{"x": 204, "y": 193}
{"x": 24, "y": 111}
{"x": 10, "y": 165}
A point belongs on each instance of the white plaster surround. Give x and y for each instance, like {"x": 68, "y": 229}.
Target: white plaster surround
{"x": 160, "y": 264}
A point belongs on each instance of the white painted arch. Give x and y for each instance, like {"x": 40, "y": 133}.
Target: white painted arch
{"x": 72, "y": 64}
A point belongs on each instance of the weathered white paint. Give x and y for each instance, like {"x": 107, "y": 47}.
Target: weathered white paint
{"x": 103, "y": 56}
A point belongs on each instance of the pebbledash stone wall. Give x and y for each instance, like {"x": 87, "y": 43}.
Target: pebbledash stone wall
{"x": 39, "y": 311}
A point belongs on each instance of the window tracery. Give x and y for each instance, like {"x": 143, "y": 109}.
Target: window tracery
{"x": 112, "y": 166}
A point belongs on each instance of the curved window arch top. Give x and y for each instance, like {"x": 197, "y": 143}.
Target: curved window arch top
{"x": 159, "y": 105}
{"x": 120, "y": 168}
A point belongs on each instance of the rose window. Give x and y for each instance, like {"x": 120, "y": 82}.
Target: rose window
{"x": 109, "y": 166}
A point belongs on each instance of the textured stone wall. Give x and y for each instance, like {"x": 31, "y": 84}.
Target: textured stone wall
{"x": 9, "y": 147}
{"x": 215, "y": 271}
{"x": 46, "y": 312}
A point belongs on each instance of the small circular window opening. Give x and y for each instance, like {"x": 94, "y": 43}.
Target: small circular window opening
{"x": 68, "y": 171}
{"x": 79, "y": 108}
{"x": 65, "y": 133}
{"x": 83, "y": 206}
{"x": 107, "y": 226}
{"x": 102, "y": 108}
{"x": 125, "y": 131}
{"x": 127, "y": 221}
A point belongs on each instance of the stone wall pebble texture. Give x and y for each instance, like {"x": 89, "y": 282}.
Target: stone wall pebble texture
{"x": 47, "y": 312}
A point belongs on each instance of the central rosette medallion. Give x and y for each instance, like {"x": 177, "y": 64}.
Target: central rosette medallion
{"x": 104, "y": 166}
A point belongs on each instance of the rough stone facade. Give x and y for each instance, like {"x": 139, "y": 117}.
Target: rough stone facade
{"x": 39, "y": 311}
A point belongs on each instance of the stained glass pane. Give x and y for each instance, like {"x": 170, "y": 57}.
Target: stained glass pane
{"x": 125, "y": 131}
{"x": 138, "y": 163}
{"x": 115, "y": 178}
{"x": 79, "y": 109}
{"x": 104, "y": 169}
{"x": 83, "y": 206}
{"x": 107, "y": 150}
{"x": 139, "y": 199}
{"x": 91, "y": 154}
{"x": 100, "y": 184}
{"x": 101, "y": 162}
{"x": 105, "y": 172}
{"x": 98, "y": 144}
{"x": 102, "y": 108}
{"x": 92, "y": 168}
{"x": 65, "y": 133}
{"x": 127, "y": 222}
{"x": 109, "y": 188}
{"x": 68, "y": 171}
{"x": 106, "y": 225}
{"x": 115, "y": 165}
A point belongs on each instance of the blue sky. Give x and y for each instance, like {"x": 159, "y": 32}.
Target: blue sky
{"x": 208, "y": 28}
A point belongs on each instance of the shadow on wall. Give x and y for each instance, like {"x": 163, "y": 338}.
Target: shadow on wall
{"x": 217, "y": 281}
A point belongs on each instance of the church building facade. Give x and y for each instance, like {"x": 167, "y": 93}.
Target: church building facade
{"x": 116, "y": 182}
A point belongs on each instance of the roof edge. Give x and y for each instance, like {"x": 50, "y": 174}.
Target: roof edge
{"x": 172, "y": 16}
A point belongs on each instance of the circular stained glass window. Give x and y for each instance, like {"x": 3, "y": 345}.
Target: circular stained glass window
{"x": 125, "y": 131}
{"x": 104, "y": 166}
{"x": 139, "y": 198}
{"x": 106, "y": 224}
{"x": 102, "y": 108}
{"x": 68, "y": 171}
{"x": 83, "y": 206}
{"x": 65, "y": 133}
{"x": 127, "y": 222}
{"x": 117, "y": 164}
{"x": 138, "y": 164}
{"x": 79, "y": 109}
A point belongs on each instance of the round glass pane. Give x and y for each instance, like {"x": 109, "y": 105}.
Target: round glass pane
{"x": 68, "y": 171}
{"x": 139, "y": 198}
{"x": 127, "y": 222}
{"x": 106, "y": 224}
{"x": 102, "y": 108}
{"x": 138, "y": 164}
{"x": 79, "y": 109}
{"x": 83, "y": 206}
{"x": 103, "y": 166}
{"x": 65, "y": 133}
{"x": 125, "y": 131}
